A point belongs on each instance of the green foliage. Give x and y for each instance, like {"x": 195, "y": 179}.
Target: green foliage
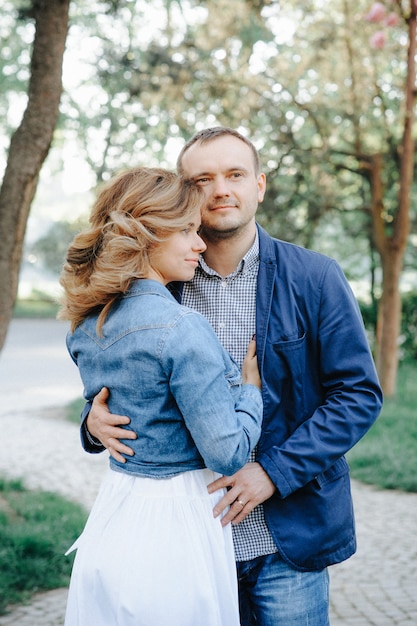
{"x": 302, "y": 79}
{"x": 36, "y": 529}
{"x": 369, "y": 315}
{"x": 73, "y": 410}
{"x": 409, "y": 325}
{"x": 408, "y": 334}
{"x": 39, "y": 306}
{"x": 14, "y": 61}
{"x": 52, "y": 247}
{"x": 157, "y": 70}
{"x": 387, "y": 455}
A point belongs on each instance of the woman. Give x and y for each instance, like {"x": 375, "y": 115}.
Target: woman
{"x": 152, "y": 553}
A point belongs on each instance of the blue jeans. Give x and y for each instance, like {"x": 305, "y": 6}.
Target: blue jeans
{"x": 271, "y": 593}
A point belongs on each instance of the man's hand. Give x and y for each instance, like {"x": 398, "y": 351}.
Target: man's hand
{"x": 247, "y": 488}
{"x": 104, "y": 426}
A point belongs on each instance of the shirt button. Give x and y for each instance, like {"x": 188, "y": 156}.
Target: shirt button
{"x": 222, "y": 325}
{"x": 224, "y": 284}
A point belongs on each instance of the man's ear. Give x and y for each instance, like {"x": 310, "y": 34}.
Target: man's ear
{"x": 261, "y": 186}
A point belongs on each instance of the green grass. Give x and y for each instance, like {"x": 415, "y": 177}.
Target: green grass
{"x": 36, "y": 528}
{"x": 35, "y": 308}
{"x": 387, "y": 455}
{"x": 73, "y": 410}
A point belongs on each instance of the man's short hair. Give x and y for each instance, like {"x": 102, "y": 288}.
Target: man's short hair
{"x": 209, "y": 134}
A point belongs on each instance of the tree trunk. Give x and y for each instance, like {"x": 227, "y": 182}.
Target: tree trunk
{"x": 30, "y": 145}
{"x": 392, "y": 246}
{"x": 389, "y": 323}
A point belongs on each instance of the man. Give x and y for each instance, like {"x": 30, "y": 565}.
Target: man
{"x": 291, "y": 507}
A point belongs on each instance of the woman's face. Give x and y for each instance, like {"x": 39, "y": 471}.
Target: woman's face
{"x": 177, "y": 257}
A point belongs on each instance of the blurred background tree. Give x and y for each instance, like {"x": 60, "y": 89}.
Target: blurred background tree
{"x": 325, "y": 90}
{"x": 30, "y": 142}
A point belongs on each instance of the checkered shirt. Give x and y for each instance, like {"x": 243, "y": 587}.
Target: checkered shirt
{"x": 229, "y": 305}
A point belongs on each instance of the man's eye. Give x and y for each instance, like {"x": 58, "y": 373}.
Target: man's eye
{"x": 201, "y": 181}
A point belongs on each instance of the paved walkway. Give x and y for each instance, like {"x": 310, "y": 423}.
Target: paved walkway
{"x": 377, "y": 586}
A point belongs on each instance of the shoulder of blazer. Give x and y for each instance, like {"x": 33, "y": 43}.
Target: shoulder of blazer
{"x": 272, "y": 250}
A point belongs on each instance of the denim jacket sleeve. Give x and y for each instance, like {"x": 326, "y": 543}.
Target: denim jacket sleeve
{"x": 88, "y": 442}
{"x": 223, "y": 416}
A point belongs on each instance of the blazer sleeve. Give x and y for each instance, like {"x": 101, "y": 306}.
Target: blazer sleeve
{"x": 339, "y": 396}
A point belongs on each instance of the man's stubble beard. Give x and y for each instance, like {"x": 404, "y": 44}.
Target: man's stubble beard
{"x": 212, "y": 235}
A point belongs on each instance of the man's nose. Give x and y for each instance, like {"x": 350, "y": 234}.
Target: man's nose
{"x": 221, "y": 188}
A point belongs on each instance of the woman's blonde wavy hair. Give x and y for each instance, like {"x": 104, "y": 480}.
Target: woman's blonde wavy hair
{"x": 133, "y": 212}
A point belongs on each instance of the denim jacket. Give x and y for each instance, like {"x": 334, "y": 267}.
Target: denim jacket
{"x": 167, "y": 371}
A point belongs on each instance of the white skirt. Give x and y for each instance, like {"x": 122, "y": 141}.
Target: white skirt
{"x": 151, "y": 554}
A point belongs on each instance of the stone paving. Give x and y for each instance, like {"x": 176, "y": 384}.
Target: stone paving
{"x": 376, "y": 587}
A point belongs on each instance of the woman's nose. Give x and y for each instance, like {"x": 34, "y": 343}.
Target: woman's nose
{"x": 200, "y": 246}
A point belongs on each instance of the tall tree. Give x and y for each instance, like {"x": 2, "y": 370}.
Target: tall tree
{"x": 349, "y": 117}
{"x": 391, "y": 239}
{"x": 30, "y": 144}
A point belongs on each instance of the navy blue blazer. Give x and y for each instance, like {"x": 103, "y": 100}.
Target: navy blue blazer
{"x": 321, "y": 394}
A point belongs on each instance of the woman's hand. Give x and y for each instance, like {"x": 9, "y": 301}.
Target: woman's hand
{"x": 250, "y": 370}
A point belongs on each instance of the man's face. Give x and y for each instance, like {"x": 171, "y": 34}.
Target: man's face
{"x": 224, "y": 168}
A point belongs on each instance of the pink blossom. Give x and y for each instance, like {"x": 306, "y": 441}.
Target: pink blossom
{"x": 376, "y": 13}
{"x": 391, "y": 19}
{"x": 378, "y": 40}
